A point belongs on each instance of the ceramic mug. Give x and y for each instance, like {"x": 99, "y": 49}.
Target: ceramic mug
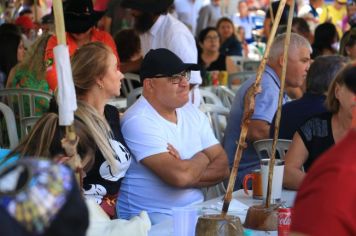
{"x": 256, "y": 178}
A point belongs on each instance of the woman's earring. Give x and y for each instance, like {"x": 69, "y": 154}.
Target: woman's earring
{"x": 100, "y": 86}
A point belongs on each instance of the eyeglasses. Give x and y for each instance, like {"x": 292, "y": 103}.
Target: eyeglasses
{"x": 177, "y": 78}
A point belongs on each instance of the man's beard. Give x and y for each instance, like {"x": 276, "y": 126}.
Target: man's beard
{"x": 144, "y": 22}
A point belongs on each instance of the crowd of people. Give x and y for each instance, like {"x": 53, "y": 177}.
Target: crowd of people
{"x": 134, "y": 168}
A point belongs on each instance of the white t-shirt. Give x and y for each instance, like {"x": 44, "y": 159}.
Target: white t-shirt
{"x": 168, "y": 32}
{"x": 147, "y": 133}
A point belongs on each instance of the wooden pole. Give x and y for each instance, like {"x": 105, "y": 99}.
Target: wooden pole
{"x": 280, "y": 100}
{"x": 70, "y": 142}
{"x": 61, "y": 39}
{"x": 59, "y": 22}
{"x": 271, "y": 12}
{"x": 248, "y": 111}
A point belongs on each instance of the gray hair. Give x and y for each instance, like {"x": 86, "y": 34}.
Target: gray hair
{"x": 322, "y": 71}
{"x": 296, "y": 42}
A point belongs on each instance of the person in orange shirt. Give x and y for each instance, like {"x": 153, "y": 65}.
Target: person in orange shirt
{"x": 80, "y": 20}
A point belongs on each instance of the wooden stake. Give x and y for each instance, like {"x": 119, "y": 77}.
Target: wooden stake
{"x": 248, "y": 111}
{"x": 280, "y": 100}
{"x": 61, "y": 39}
{"x": 59, "y": 22}
{"x": 70, "y": 132}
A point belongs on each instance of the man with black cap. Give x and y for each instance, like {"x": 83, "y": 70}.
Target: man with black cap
{"x": 174, "y": 148}
{"x": 80, "y": 19}
{"x": 158, "y": 29}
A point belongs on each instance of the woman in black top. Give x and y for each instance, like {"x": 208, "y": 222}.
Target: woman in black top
{"x": 97, "y": 79}
{"x": 209, "y": 57}
{"x": 322, "y": 131}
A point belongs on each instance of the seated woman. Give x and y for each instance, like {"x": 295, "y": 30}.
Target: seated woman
{"x": 97, "y": 79}
{"x": 210, "y": 58}
{"x": 31, "y": 73}
{"x": 46, "y": 139}
{"x": 47, "y": 182}
{"x": 322, "y": 131}
{"x": 229, "y": 45}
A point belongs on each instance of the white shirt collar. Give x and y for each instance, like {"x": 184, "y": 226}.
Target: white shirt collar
{"x": 154, "y": 29}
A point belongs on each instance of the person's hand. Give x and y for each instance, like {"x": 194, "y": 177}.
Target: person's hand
{"x": 173, "y": 151}
{"x": 61, "y": 159}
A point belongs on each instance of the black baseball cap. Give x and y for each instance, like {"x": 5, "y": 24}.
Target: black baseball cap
{"x": 162, "y": 61}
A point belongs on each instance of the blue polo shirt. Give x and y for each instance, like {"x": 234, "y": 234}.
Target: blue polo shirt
{"x": 265, "y": 108}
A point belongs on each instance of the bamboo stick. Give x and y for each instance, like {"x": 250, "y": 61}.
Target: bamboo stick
{"x": 271, "y": 12}
{"x": 280, "y": 100}
{"x": 70, "y": 134}
{"x": 59, "y": 22}
{"x": 248, "y": 111}
{"x": 61, "y": 39}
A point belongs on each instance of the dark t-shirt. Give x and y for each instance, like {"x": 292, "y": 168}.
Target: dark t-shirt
{"x": 217, "y": 65}
{"x": 296, "y": 112}
{"x": 317, "y": 136}
{"x": 231, "y": 47}
{"x": 102, "y": 182}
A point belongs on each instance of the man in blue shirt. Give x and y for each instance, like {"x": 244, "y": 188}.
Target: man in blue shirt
{"x": 266, "y": 102}
{"x": 294, "y": 113}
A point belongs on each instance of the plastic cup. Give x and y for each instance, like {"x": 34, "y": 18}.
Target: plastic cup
{"x": 184, "y": 221}
{"x": 277, "y": 179}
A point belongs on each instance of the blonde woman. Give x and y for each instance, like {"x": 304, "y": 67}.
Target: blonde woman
{"x": 45, "y": 140}
{"x": 97, "y": 79}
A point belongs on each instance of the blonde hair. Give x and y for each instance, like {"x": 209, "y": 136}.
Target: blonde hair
{"x": 34, "y": 60}
{"x": 44, "y": 140}
{"x": 89, "y": 63}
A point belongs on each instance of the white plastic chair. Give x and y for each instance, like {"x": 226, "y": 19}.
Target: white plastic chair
{"x": 22, "y": 103}
{"x": 265, "y": 145}
{"x": 133, "y": 96}
{"x": 214, "y": 191}
{"x": 226, "y": 95}
{"x": 10, "y": 125}
{"x": 250, "y": 65}
{"x": 218, "y": 118}
{"x": 208, "y": 97}
{"x": 127, "y": 85}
